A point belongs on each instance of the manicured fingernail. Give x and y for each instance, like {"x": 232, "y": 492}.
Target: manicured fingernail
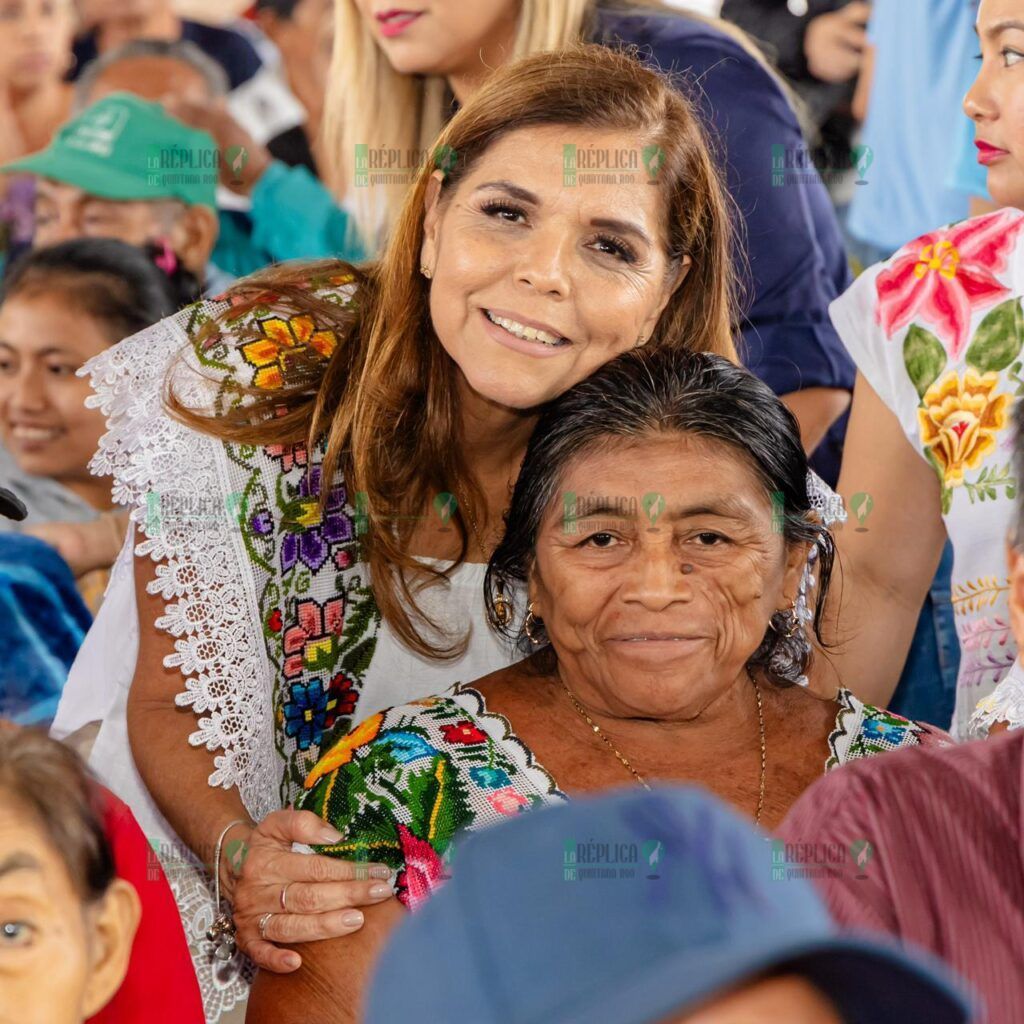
{"x": 330, "y": 835}
{"x": 378, "y": 890}
{"x": 293, "y": 960}
{"x": 380, "y": 871}
{"x": 351, "y": 919}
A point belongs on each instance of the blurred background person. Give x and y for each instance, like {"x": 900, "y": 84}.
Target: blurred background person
{"x": 35, "y": 100}
{"x": 818, "y": 45}
{"x": 95, "y": 179}
{"x": 59, "y": 306}
{"x": 259, "y": 98}
{"x": 267, "y": 210}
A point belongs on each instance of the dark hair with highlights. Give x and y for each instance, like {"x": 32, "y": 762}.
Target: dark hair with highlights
{"x": 640, "y": 395}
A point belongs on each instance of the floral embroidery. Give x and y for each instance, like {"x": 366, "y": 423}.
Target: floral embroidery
{"x": 463, "y": 732}
{"x": 424, "y": 869}
{"x": 943, "y": 276}
{"x": 305, "y": 713}
{"x": 341, "y": 753}
{"x": 508, "y": 801}
{"x": 311, "y": 539}
{"x": 959, "y": 421}
{"x": 972, "y": 595}
{"x": 313, "y": 643}
{"x": 281, "y": 338}
{"x": 342, "y": 697}
{"x": 489, "y": 778}
{"x": 408, "y": 746}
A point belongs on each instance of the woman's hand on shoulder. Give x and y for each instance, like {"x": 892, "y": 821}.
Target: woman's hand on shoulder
{"x": 320, "y": 894}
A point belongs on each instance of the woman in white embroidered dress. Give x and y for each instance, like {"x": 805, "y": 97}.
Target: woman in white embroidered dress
{"x": 345, "y": 424}
{"x": 937, "y": 334}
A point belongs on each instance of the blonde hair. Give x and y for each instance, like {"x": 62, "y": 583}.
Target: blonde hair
{"x": 387, "y": 402}
{"x": 368, "y": 102}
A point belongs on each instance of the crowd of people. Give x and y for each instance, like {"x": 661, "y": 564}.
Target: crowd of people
{"x": 415, "y": 419}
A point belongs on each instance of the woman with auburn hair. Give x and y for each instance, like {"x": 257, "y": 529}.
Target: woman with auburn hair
{"x": 319, "y": 465}
{"x": 398, "y": 74}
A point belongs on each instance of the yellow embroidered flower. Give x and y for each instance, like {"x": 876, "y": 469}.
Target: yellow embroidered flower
{"x": 342, "y": 751}
{"x": 280, "y": 338}
{"x": 960, "y": 420}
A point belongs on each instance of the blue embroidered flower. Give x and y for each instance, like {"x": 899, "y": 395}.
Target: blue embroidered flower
{"x": 489, "y": 778}
{"x": 877, "y": 730}
{"x": 305, "y": 713}
{"x": 407, "y": 746}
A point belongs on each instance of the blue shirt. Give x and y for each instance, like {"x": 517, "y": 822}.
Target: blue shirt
{"x": 922, "y": 68}
{"x": 794, "y": 249}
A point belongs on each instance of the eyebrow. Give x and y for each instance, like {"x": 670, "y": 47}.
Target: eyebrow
{"x": 726, "y": 508}
{"x": 19, "y": 862}
{"x": 624, "y": 227}
{"x": 50, "y": 350}
{"x": 1002, "y": 26}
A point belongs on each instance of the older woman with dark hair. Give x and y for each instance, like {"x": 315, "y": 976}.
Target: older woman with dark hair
{"x": 660, "y": 526}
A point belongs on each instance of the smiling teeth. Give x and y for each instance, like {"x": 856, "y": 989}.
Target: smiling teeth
{"x": 522, "y": 331}
{"x": 34, "y": 433}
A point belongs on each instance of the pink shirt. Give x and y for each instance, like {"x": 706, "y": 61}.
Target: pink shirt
{"x": 944, "y": 870}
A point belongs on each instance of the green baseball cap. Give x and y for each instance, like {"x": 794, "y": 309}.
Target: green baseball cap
{"x": 123, "y": 147}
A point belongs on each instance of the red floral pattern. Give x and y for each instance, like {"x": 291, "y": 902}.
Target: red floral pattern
{"x": 463, "y": 732}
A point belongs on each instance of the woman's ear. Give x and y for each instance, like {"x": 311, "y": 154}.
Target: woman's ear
{"x": 113, "y": 923}
{"x": 796, "y": 562}
{"x": 431, "y": 220}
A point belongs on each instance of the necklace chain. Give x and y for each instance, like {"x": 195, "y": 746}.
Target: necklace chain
{"x": 472, "y": 524}
{"x": 601, "y": 734}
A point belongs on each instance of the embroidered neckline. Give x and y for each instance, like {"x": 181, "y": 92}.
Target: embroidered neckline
{"x": 498, "y": 727}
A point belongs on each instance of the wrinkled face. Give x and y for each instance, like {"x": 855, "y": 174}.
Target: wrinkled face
{"x": 442, "y": 37}
{"x": 45, "y": 934}
{"x": 36, "y": 41}
{"x": 659, "y": 591}
{"x": 783, "y": 1000}
{"x": 152, "y": 78}
{"x": 63, "y": 212}
{"x": 536, "y": 284}
{"x": 44, "y": 423}
{"x": 995, "y": 102}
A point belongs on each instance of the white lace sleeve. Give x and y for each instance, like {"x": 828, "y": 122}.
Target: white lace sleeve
{"x": 174, "y": 480}
{"x": 1004, "y": 704}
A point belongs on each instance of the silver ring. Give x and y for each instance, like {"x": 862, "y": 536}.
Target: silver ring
{"x": 284, "y": 895}
{"x": 262, "y": 925}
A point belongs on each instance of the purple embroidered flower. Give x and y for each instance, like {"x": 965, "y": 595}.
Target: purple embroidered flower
{"x": 262, "y": 522}
{"x": 313, "y": 543}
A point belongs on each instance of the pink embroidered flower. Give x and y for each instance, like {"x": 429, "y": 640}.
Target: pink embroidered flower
{"x": 310, "y": 643}
{"x": 424, "y": 869}
{"x": 942, "y": 277}
{"x": 507, "y": 801}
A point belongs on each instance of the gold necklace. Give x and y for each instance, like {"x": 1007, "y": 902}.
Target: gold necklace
{"x": 502, "y": 607}
{"x": 639, "y": 778}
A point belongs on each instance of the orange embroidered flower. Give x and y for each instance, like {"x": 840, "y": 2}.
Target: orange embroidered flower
{"x": 342, "y": 751}
{"x": 960, "y": 421}
{"x": 280, "y": 338}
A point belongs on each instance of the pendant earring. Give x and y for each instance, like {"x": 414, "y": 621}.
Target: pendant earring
{"x": 529, "y": 622}
{"x": 502, "y": 607}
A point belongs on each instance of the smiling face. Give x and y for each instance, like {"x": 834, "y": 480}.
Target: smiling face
{"x": 655, "y": 604}
{"x": 442, "y": 37}
{"x": 536, "y": 284}
{"x": 43, "y": 419}
{"x": 995, "y": 102}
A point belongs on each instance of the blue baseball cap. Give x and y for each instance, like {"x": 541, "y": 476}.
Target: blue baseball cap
{"x": 626, "y": 908}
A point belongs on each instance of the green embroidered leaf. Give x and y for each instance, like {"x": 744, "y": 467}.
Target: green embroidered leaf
{"x": 997, "y": 341}
{"x": 924, "y": 358}
{"x": 437, "y": 803}
{"x": 357, "y": 660}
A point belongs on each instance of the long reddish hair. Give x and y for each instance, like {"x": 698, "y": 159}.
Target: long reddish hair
{"x": 386, "y": 402}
